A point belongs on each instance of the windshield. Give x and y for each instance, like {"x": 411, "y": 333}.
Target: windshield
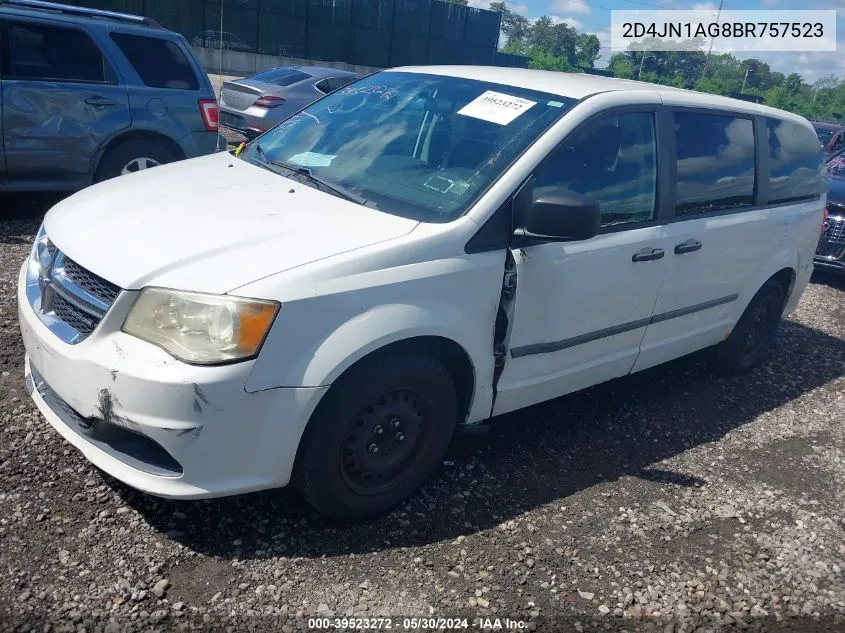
{"x": 836, "y": 164}
{"x": 824, "y": 134}
{"x": 416, "y": 145}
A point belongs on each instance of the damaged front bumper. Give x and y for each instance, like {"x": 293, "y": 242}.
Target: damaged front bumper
{"x": 159, "y": 425}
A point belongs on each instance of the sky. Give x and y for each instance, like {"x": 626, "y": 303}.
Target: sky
{"x": 594, "y": 17}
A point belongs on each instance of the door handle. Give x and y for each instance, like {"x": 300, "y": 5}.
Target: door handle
{"x": 648, "y": 254}
{"x": 687, "y": 247}
{"x": 100, "y": 102}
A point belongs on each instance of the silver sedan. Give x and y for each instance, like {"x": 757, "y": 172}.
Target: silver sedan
{"x": 254, "y": 104}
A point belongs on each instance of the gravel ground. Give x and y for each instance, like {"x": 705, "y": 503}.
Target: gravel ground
{"x": 671, "y": 500}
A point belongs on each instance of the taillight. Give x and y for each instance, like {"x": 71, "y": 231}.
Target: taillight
{"x": 269, "y": 102}
{"x": 824, "y": 221}
{"x": 210, "y": 112}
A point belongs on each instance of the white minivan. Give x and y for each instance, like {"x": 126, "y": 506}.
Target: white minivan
{"x": 420, "y": 251}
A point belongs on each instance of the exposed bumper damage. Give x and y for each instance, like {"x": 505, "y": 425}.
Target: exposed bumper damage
{"x": 164, "y": 427}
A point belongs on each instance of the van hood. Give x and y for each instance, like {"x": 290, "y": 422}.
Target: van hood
{"x": 209, "y": 224}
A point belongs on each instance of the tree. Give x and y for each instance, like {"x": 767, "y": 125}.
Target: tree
{"x": 514, "y": 27}
{"x": 589, "y": 49}
{"x": 620, "y": 65}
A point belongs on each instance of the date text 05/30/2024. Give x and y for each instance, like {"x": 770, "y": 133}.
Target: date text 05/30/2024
{"x": 416, "y": 624}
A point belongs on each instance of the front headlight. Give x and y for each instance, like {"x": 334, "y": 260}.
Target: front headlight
{"x": 199, "y": 328}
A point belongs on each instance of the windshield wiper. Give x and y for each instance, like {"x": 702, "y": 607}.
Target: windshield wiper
{"x": 335, "y": 188}
{"x": 307, "y": 173}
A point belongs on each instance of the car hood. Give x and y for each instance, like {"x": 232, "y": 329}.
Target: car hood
{"x": 209, "y": 224}
{"x": 836, "y": 192}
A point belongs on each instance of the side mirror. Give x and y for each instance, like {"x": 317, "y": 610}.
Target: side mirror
{"x": 559, "y": 216}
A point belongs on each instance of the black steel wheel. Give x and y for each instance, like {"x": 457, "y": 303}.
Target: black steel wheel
{"x": 749, "y": 341}
{"x": 377, "y": 435}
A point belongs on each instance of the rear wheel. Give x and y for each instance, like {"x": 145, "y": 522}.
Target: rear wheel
{"x": 377, "y": 435}
{"x": 133, "y": 156}
{"x": 747, "y": 344}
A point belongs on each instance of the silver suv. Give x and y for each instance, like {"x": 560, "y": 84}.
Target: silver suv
{"x": 87, "y": 95}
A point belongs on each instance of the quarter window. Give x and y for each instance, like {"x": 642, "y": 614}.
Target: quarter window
{"x": 159, "y": 63}
{"x": 49, "y": 53}
{"x": 716, "y": 162}
{"x": 614, "y": 162}
{"x": 796, "y": 162}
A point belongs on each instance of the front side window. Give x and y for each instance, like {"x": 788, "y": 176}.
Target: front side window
{"x": 412, "y": 144}
{"x": 716, "y": 162}
{"x": 796, "y": 162}
{"x": 50, "y": 53}
{"x": 613, "y": 161}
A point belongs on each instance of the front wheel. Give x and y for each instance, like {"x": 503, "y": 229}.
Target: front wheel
{"x": 747, "y": 344}
{"x": 378, "y": 434}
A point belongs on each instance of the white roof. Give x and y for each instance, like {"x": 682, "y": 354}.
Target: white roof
{"x": 579, "y": 85}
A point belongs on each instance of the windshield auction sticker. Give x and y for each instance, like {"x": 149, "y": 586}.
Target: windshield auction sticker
{"x": 496, "y": 107}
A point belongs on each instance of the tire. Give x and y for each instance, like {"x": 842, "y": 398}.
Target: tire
{"x": 139, "y": 154}
{"x": 412, "y": 401}
{"x": 747, "y": 344}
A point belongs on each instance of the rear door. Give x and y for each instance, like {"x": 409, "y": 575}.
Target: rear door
{"x": 165, "y": 88}
{"x": 61, "y": 99}
{"x": 719, "y": 237}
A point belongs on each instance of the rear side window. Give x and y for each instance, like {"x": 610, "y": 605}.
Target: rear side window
{"x": 716, "y": 162}
{"x": 796, "y": 162}
{"x": 282, "y": 76}
{"x": 49, "y": 53}
{"x": 159, "y": 63}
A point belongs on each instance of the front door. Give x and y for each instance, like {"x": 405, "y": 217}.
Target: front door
{"x": 581, "y": 308}
{"x": 61, "y": 100}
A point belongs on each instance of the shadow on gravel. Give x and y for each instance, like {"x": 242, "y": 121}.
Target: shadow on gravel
{"x": 827, "y": 278}
{"x": 534, "y": 457}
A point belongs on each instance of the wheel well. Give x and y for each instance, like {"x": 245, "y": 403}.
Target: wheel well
{"x": 142, "y": 135}
{"x": 448, "y": 352}
{"x": 786, "y": 278}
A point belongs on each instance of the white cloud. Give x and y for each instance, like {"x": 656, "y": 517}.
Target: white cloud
{"x": 705, "y": 6}
{"x": 575, "y": 24}
{"x": 571, "y": 6}
{"x": 811, "y": 66}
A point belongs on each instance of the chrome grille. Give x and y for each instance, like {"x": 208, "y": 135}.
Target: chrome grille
{"x": 90, "y": 282}
{"x": 69, "y": 299}
{"x": 78, "y": 319}
{"x": 835, "y": 232}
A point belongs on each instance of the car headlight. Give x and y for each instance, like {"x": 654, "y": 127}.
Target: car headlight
{"x": 199, "y": 328}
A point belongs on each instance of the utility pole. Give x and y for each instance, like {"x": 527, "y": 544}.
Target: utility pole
{"x": 747, "y": 70}
{"x": 710, "y": 49}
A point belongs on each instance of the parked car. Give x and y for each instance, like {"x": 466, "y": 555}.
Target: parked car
{"x": 831, "y": 136}
{"x": 410, "y": 255}
{"x": 253, "y": 105}
{"x": 87, "y": 95}
{"x": 830, "y": 254}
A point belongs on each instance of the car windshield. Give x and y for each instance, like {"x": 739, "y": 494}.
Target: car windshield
{"x": 417, "y": 145}
{"x": 836, "y": 164}
{"x": 824, "y": 134}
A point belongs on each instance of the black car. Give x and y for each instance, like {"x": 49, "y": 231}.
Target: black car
{"x": 830, "y": 254}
